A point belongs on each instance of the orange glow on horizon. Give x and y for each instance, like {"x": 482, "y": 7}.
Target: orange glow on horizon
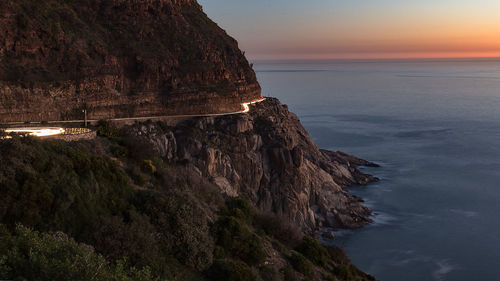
{"x": 466, "y": 47}
{"x": 447, "y": 55}
{"x": 420, "y": 48}
{"x": 363, "y": 29}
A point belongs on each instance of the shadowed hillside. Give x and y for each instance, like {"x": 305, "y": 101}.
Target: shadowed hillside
{"x": 116, "y": 59}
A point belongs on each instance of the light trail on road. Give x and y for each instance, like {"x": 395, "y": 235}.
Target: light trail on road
{"x": 245, "y": 107}
{"x": 37, "y": 132}
{"x": 54, "y": 131}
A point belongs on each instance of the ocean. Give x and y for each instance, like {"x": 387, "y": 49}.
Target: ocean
{"x": 434, "y": 127}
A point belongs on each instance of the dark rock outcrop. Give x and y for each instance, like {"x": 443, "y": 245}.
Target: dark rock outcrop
{"x": 267, "y": 157}
{"x": 123, "y": 58}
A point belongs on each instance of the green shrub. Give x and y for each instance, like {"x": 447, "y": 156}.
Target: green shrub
{"x": 232, "y": 232}
{"x": 105, "y": 129}
{"x": 344, "y": 272}
{"x": 250, "y": 250}
{"x": 182, "y": 226}
{"x": 226, "y": 270}
{"x": 337, "y": 254}
{"x": 240, "y": 208}
{"x": 301, "y": 264}
{"x": 30, "y": 255}
{"x": 238, "y": 241}
{"x": 313, "y": 250}
{"x": 349, "y": 272}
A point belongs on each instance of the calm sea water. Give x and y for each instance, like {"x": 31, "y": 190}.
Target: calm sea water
{"x": 434, "y": 126}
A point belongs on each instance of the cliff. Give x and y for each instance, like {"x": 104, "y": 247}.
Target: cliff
{"x": 124, "y": 58}
{"x": 268, "y": 158}
{"x": 209, "y": 198}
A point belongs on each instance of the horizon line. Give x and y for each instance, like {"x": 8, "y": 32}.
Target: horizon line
{"x": 380, "y": 59}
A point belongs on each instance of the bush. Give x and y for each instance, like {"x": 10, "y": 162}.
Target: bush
{"x": 301, "y": 264}
{"x": 337, "y": 254}
{"x": 344, "y": 273}
{"x": 233, "y": 234}
{"x": 226, "y": 270}
{"x": 313, "y": 250}
{"x": 181, "y": 225}
{"x": 30, "y": 255}
{"x": 55, "y": 185}
{"x": 348, "y": 272}
{"x": 106, "y": 129}
{"x": 135, "y": 238}
{"x": 280, "y": 228}
{"x": 238, "y": 241}
{"x": 239, "y": 208}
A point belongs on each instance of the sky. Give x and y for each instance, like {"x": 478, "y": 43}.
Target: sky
{"x": 318, "y": 29}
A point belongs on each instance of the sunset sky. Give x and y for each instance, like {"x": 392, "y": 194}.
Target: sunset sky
{"x": 283, "y": 29}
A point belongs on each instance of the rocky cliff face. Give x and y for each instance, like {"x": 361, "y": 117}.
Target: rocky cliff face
{"x": 116, "y": 59}
{"x": 267, "y": 157}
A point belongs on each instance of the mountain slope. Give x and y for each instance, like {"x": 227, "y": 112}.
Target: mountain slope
{"x": 116, "y": 59}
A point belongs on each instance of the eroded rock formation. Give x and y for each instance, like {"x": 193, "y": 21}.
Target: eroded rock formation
{"x": 267, "y": 157}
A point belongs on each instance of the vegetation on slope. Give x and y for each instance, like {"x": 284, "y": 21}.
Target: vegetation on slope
{"x": 110, "y": 210}
{"x": 30, "y": 255}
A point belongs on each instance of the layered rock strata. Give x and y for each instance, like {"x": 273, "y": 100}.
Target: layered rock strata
{"x": 125, "y": 58}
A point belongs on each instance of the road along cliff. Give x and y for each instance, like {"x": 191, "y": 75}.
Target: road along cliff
{"x": 267, "y": 157}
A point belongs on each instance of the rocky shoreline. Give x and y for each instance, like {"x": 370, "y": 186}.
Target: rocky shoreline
{"x": 267, "y": 157}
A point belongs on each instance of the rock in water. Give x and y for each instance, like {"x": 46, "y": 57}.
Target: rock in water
{"x": 328, "y": 235}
